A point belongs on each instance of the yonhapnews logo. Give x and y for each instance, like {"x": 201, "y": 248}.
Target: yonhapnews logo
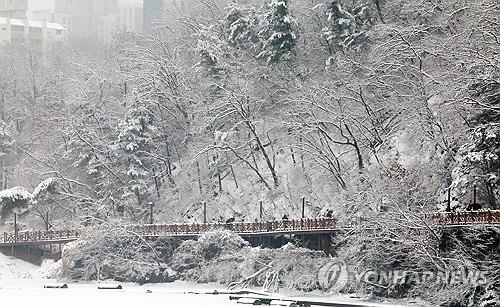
{"x": 333, "y": 276}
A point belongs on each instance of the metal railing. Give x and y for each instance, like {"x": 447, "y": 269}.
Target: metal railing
{"x": 39, "y": 236}
{"x": 239, "y": 228}
{"x": 464, "y": 218}
{"x": 445, "y": 219}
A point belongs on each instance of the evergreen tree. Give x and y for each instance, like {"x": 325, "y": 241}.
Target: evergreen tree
{"x": 486, "y": 91}
{"x": 480, "y": 165}
{"x": 347, "y": 26}
{"x": 480, "y": 158}
{"x": 278, "y": 33}
{"x": 239, "y": 27}
{"x": 136, "y": 139}
{"x": 6, "y": 149}
{"x": 6, "y": 141}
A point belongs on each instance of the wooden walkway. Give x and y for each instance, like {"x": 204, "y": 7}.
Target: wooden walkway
{"x": 288, "y": 227}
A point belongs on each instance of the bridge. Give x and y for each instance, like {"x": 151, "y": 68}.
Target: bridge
{"x": 314, "y": 226}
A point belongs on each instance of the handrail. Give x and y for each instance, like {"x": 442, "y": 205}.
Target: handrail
{"x": 483, "y": 217}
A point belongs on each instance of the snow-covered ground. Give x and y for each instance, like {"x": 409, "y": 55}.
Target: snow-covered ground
{"x": 22, "y": 284}
{"x": 15, "y": 269}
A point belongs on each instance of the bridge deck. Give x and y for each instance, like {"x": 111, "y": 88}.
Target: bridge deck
{"x": 286, "y": 227}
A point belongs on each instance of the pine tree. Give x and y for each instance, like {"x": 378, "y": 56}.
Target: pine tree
{"x": 136, "y": 139}
{"x": 479, "y": 160}
{"x": 486, "y": 90}
{"x": 278, "y": 33}
{"x": 239, "y": 27}
{"x": 6, "y": 140}
{"x": 347, "y": 26}
{"x": 211, "y": 49}
{"x": 6, "y": 148}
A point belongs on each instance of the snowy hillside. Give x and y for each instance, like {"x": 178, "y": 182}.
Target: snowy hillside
{"x": 381, "y": 114}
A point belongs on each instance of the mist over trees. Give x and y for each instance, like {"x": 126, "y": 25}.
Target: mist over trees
{"x": 367, "y": 108}
{"x": 289, "y": 99}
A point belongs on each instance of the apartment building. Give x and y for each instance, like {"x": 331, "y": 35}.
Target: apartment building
{"x": 13, "y": 8}
{"x": 95, "y": 19}
{"x": 39, "y": 35}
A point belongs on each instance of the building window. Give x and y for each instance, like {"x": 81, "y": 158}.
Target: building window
{"x": 17, "y": 29}
{"x": 58, "y": 32}
{"x": 35, "y": 30}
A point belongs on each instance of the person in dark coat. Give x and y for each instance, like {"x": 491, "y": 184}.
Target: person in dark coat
{"x": 474, "y": 207}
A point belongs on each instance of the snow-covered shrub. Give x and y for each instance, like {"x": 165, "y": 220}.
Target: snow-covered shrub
{"x": 289, "y": 267}
{"x": 224, "y": 269}
{"x": 50, "y": 269}
{"x": 104, "y": 252}
{"x": 187, "y": 259}
{"x": 226, "y": 258}
{"x": 210, "y": 254}
{"x": 213, "y": 244}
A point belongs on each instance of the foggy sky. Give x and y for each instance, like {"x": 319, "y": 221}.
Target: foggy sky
{"x": 34, "y": 5}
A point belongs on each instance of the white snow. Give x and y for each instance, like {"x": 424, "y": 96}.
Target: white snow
{"x": 15, "y": 193}
{"x": 43, "y": 186}
{"x": 14, "y": 269}
{"x": 21, "y": 284}
{"x": 175, "y": 294}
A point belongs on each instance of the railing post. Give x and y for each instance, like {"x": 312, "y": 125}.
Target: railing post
{"x": 475, "y": 194}
{"x": 204, "y": 212}
{"x": 448, "y": 202}
{"x": 15, "y": 228}
{"x": 303, "y": 207}
{"x": 151, "y": 221}
{"x": 261, "y": 210}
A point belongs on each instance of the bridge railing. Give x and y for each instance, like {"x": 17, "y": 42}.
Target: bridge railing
{"x": 39, "y": 236}
{"x": 465, "y": 218}
{"x": 241, "y": 228}
{"x": 484, "y": 217}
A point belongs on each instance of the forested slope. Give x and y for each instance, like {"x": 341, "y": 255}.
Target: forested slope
{"x": 366, "y": 108}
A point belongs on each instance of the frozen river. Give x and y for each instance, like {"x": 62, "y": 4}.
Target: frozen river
{"x": 33, "y": 294}
{"x": 22, "y": 284}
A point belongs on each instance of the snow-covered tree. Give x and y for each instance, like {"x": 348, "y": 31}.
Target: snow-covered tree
{"x": 136, "y": 140}
{"x": 240, "y": 26}
{"x": 6, "y": 147}
{"x": 347, "y": 26}
{"x": 213, "y": 50}
{"x": 16, "y": 199}
{"x": 485, "y": 92}
{"x": 278, "y": 32}
{"x": 479, "y": 159}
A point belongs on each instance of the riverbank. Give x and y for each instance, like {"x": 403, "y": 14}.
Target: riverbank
{"x": 22, "y": 283}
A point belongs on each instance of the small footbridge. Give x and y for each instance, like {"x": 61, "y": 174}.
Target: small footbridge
{"x": 316, "y": 226}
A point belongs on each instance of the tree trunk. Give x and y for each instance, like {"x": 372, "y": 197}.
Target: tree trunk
{"x": 264, "y": 152}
